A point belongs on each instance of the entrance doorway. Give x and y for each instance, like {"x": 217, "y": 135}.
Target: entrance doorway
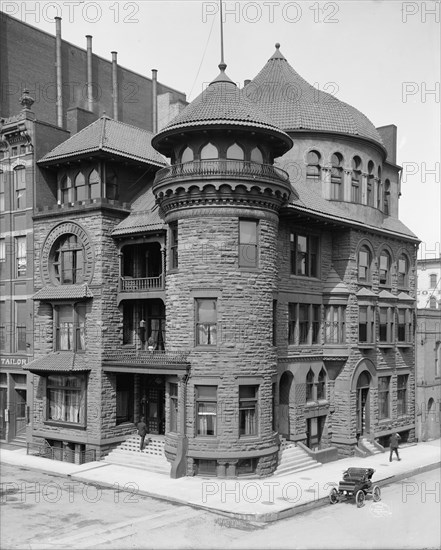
{"x": 20, "y": 412}
{"x": 153, "y": 403}
{"x": 285, "y": 384}
{"x": 314, "y": 430}
{"x": 3, "y": 407}
{"x": 362, "y": 403}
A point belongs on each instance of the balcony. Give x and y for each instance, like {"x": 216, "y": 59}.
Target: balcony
{"x": 141, "y": 284}
{"x": 148, "y": 362}
{"x": 215, "y": 168}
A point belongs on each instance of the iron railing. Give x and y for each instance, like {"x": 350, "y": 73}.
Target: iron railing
{"x": 222, "y": 167}
{"x": 138, "y": 284}
{"x": 62, "y": 454}
{"x": 146, "y": 357}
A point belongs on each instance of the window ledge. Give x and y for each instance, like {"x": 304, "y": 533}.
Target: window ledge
{"x": 249, "y": 269}
{"x": 384, "y": 420}
{"x": 303, "y": 277}
{"x": 249, "y": 438}
{"x": 65, "y": 424}
{"x": 386, "y": 345}
{"x": 208, "y": 347}
{"x": 366, "y": 345}
{"x": 404, "y": 344}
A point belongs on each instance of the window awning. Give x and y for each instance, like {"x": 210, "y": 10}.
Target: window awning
{"x": 63, "y": 292}
{"x": 58, "y": 361}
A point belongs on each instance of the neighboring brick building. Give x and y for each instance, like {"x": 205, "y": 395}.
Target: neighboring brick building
{"x": 429, "y": 283}
{"x": 34, "y": 65}
{"x": 234, "y": 299}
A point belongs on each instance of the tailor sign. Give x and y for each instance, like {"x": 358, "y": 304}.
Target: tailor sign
{"x": 13, "y": 361}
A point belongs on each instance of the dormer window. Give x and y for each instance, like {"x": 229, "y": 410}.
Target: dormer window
{"x": 313, "y": 166}
{"x": 384, "y": 268}
{"x": 80, "y": 187}
{"x": 336, "y": 176}
{"x": 256, "y": 155}
{"x": 187, "y": 155}
{"x": 356, "y": 180}
{"x": 209, "y": 151}
{"x": 235, "y": 152}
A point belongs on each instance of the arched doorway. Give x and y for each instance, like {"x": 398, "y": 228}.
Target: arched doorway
{"x": 285, "y": 385}
{"x": 362, "y": 403}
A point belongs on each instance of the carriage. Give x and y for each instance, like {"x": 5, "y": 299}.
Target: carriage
{"x": 357, "y": 482}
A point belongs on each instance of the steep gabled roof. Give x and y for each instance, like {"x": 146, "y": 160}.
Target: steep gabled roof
{"x": 144, "y": 217}
{"x": 110, "y": 136}
{"x": 293, "y": 104}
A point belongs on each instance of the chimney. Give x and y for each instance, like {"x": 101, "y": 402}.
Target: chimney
{"x": 246, "y": 82}
{"x": 115, "y": 85}
{"x": 154, "y": 101}
{"x": 58, "y": 66}
{"x": 89, "y": 73}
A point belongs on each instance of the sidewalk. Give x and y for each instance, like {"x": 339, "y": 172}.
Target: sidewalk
{"x": 252, "y": 499}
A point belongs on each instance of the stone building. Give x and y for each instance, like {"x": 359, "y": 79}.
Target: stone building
{"x": 429, "y": 283}
{"x": 258, "y": 290}
{"x": 61, "y": 89}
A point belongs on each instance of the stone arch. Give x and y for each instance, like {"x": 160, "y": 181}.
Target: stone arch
{"x": 364, "y": 365}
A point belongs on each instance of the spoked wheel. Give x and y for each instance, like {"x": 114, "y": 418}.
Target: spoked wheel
{"x": 359, "y": 498}
{"x": 334, "y": 496}
{"x": 376, "y": 493}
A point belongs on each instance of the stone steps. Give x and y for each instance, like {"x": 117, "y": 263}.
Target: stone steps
{"x": 151, "y": 458}
{"x": 294, "y": 459}
{"x": 19, "y": 441}
{"x": 372, "y": 449}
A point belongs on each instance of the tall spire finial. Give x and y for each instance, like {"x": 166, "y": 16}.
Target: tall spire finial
{"x": 222, "y": 64}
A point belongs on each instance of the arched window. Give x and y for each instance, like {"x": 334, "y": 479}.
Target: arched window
{"x": 235, "y": 152}
{"x": 403, "y": 271}
{"x": 384, "y": 268}
{"x": 356, "y": 180}
{"x": 111, "y": 184}
{"x": 80, "y": 187}
{"x": 68, "y": 260}
{"x": 313, "y": 165}
{"x": 20, "y": 187}
{"x": 364, "y": 265}
{"x": 256, "y": 155}
{"x": 310, "y": 386}
{"x": 386, "y": 197}
{"x": 65, "y": 190}
{"x": 187, "y": 155}
{"x": 336, "y": 177}
{"x": 209, "y": 151}
{"x": 94, "y": 185}
{"x": 321, "y": 386}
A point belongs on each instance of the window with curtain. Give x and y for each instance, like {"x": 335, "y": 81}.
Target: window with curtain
{"x": 248, "y": 410}
{"x": 206, "y": 321}
{"x": 70, "y": 327}
{"x": 21, "y": 256}
{"x": 335, "y": 324}
{"x": 66, "y": 397}
{"x": 248, "y": 243}
{"x": 206, "y": 410}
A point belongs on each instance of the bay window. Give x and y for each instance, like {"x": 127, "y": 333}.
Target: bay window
{"x": 386, "y": 328}
{"x": 366, "y": 324}
{"x": 70, "y": 327}
{"x": 66, "y": 398}
{"x": 335, "y": 324}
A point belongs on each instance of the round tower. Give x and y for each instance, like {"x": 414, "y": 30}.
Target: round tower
{"x": 221, "y": 197}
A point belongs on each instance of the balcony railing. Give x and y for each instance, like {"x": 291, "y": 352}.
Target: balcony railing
{"x": 222, "y": 167}
{"x": 140, "y": 284}
{"x": 145, "y": 357}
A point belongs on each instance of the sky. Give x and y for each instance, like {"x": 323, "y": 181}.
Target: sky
{"x": 382, "y": 57}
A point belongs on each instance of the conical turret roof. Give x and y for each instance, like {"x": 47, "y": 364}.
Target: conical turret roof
{"x": 293, "y": 104}
{"x": 222, "y": 104}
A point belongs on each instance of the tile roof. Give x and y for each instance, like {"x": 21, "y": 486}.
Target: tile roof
{"x": 63, "y": 292}
{"x": 111, "y": 136}
{"x": 144, "y": 216}
{"x": 59, "y": 361}
{"x": 223, "y": 103}
{"x": 293, "y": 104}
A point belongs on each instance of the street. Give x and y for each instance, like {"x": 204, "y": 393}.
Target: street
{"x": 40, "y": 510}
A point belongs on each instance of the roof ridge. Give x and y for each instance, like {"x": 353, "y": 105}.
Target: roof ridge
{"x": 121, "y": 123}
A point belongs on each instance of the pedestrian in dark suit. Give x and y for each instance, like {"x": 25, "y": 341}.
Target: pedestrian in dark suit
{"x": 393, "y": 445}
{"x": 142, "y": 431}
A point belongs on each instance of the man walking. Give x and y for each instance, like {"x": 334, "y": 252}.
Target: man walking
{"x": 142, "y": 432}
{"x": 393, "y": 444}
